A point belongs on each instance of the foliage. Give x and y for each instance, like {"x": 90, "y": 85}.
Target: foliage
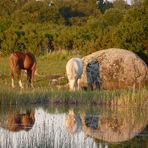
{"x": 37, "y": 12}
{"x": 132, "y": 33}
{"x": 120, "y": 4}
{"x": 83, "y": 25}
{"x": 103, "y": 5}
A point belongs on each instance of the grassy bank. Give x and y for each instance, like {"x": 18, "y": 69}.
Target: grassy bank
{"x": 123, "y": 98}
{"x": 52, "y": 66}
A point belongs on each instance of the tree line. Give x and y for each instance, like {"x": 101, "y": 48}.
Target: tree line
{"x": 83, "y": 25}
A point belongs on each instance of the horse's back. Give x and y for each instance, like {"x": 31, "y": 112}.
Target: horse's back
{"x": 74, "y": 62}
{"x": 23, "y": 60}
{"x": 74, "y": 67}
{"x": 29, "y": 60}
{"x": 14, "y": 58}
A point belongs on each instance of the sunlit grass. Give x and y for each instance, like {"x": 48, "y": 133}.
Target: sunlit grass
{"x": 123, "y": 98}
{"x": 50, "y": 64}
{"x": 54, "y": 64}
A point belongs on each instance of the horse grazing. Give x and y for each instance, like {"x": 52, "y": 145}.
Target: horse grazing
{"x": 22, "y": 61}
{"x": 74, "y": 69}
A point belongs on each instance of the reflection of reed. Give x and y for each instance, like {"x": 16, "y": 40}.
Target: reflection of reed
{"x": 48, "y": 131}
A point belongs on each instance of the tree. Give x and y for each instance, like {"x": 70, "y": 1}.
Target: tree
{"x": 37, "y": 12}
{"x": 120, "y": 4}
{"x": 112, "y": 17}
{"x": 7, "y": 7}
{"x": 136, "y": 2}
{"x": 103, "y": 5}
{"x": 132, "y": 33}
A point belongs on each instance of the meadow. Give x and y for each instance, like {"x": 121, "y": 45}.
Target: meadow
{"x": 51, "y": 86}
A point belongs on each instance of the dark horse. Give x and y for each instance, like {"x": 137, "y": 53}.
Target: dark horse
{"x": 25, "y": 61}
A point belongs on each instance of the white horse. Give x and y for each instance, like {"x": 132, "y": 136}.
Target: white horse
{"x": 74, "y": 69}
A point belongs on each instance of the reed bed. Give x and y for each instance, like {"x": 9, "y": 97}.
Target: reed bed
{"x": 129, "y": 97}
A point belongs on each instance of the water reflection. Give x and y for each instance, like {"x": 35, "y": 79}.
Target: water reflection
{"x": 119, "y": 126}
{"x": 71, "y": 127}
{"x": 17, "y": 121}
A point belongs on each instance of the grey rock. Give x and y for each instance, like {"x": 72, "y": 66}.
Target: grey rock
{"x": 118, "y": 68}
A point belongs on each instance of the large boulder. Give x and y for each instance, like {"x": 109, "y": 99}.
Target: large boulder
{"x": 119, "y": 68}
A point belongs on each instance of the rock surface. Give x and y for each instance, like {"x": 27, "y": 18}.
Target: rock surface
{"x": 119, "y": 68}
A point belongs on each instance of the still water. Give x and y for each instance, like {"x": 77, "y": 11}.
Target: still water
{"x": 73, "y": 127}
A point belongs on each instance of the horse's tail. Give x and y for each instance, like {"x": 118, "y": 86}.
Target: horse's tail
{"x": 34, "y": 66}
{"x": 34, "y": 61}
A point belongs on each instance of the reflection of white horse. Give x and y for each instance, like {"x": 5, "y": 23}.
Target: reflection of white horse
{"x": 74, "y": 69}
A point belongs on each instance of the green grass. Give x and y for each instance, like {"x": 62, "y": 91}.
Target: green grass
{"x": 123, "y": 98}
{"x": 50, "y": 64}
{"x": 45, "y": 92}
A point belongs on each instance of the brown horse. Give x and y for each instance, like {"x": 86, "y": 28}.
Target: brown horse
{"x": 25, "y": 61}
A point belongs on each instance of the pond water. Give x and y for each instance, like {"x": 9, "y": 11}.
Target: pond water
{"x": 73, "y": 127}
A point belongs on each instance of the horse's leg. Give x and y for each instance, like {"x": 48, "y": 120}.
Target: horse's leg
{"x": 18, "y": 72}
{"x": 12, "y": 77}
{"x": 29, "y": 73}
{"x": 32, "y": 75}
{"x": 76, "y": 84}
{"x": 11, "y": 63}
{"x": 79, "y": 88}
{"x": 72, "y": 85}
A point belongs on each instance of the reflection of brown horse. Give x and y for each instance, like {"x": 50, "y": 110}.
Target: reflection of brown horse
{"x": 16, "y": 122}
{"x": 25, "y": 61}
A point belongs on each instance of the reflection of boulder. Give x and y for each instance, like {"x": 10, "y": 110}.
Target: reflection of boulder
{"x": 119, "y": 68}
{"x": 112, "y": 129}
{"x": 15, "y": 122}
{"x": 118, "y": 127}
